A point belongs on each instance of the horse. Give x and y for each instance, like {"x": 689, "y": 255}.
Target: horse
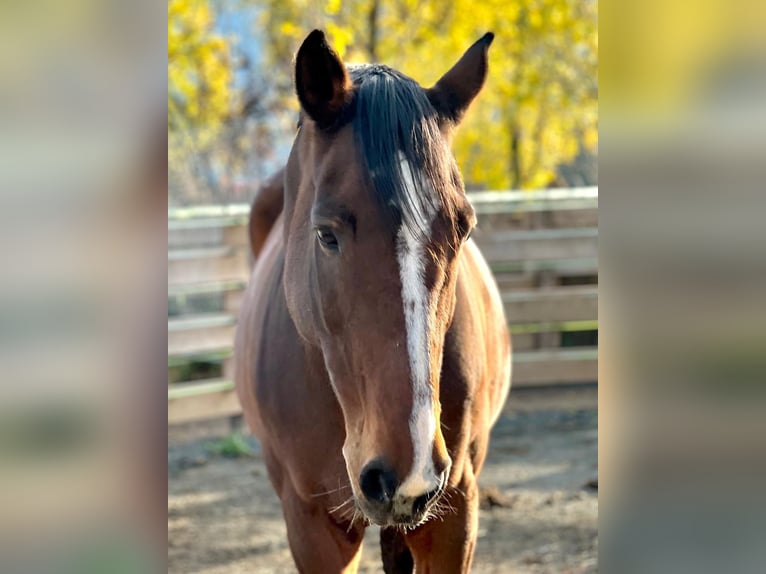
{"x": 372, "y": 355}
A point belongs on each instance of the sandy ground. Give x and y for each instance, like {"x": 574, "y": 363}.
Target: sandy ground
{"x": 224, "y": 518}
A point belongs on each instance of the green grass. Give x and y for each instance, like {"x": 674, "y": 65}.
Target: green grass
{"x": 231, "y": 446}
{"x": 551, "y": 327}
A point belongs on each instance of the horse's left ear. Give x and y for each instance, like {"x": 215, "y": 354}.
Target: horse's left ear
{"x": 321, "y": 81}
{"x": 456, "y": 89}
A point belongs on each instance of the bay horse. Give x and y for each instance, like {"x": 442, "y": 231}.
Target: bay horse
{"x": 372, "y": 353}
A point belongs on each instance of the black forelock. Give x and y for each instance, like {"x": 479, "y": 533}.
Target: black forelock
{"x": 392, "y": 116}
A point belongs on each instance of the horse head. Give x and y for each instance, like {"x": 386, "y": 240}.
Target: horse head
{"x": 375, "y": 217}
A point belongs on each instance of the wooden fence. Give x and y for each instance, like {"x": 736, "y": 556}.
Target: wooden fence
{"x": 541, "y": 246}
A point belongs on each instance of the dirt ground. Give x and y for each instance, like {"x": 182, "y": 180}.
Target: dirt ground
{"x": 540, "y": 501}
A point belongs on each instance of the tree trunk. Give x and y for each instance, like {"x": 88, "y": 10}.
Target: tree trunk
{"x": 515, "y": 158}
{"x": 372, "y": 21}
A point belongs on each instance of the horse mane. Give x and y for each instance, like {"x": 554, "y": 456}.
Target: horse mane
{"x": 393, "y": 123}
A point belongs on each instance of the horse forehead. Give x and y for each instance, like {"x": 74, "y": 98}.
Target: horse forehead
{"x": 336, "y": 157}
{"x": 340, "y": 173}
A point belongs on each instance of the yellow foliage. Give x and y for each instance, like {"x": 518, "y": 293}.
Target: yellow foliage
{"x": 541, "y": 94}
{"x": 590, "y": 138}
{"x": 342, "y": 37}
{"x": 333, "y": 7}
{"x": 199, "y": 71}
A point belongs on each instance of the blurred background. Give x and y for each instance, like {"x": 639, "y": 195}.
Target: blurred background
{"x": 232, "y": 112}
{"x": 528, "y": 151}
{"x": 85, "y": 127}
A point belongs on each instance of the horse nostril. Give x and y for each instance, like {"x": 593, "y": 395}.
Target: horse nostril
{"x": 378, "y": 482}
{"x": 420, "y": 503}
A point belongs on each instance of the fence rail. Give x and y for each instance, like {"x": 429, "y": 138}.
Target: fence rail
{"x": 540, "y": 245}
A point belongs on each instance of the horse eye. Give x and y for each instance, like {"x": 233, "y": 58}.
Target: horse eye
{"x": 327, "y": 238}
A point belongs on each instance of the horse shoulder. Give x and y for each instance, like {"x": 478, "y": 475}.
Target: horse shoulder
{"x": 285, "y": 395}
{"x": 475, "y": 372}
{"x": 248, "y": 340}
{"x": 497, "y": 338}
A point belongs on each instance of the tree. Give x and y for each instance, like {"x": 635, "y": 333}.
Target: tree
{"x": 199, "y": 69}
{"x": 219, "y": 106}
{"x": 199, "y": 95}
{"x": 540, "y": 106}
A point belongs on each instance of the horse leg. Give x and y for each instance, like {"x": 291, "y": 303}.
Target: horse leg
{"x": 318, "y": 543}
{"x": 447, "y": 546}
{"x": 397, "y": 558}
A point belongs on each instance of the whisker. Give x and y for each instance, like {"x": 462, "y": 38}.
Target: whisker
{"x": 334, "y": 490}
{"x": 341, "y": 505}
{"x": 447, "y": 505}
{"x": 353, "y": 519}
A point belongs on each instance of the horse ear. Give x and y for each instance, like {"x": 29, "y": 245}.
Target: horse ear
{"x": 456, "y": 89}
{"x": 321, "y": 81}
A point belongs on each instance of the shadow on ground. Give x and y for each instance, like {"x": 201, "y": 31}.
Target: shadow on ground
{"x": 540, "y": 516}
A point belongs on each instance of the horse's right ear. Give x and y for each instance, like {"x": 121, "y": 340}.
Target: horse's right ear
{"x": 321, "y": 80}
{"x": 456, "y": 89}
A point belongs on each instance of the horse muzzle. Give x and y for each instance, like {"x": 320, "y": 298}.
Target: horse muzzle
{"x": 384, "y": 505}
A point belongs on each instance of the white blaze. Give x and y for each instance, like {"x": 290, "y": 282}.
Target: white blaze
{"x": 417, "y": 315}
